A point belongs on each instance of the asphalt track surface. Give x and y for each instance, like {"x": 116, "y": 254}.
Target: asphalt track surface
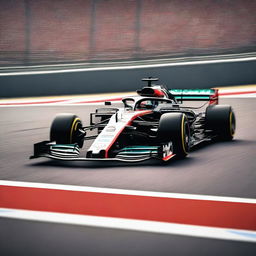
{"x": 222, "y": 169}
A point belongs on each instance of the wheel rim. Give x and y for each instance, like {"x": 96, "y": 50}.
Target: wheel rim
{"x": 232, "y": 124}
{"x": 74, "y": 128}
{"x": 185, "y": 135}
{"x": 74, "y": 138}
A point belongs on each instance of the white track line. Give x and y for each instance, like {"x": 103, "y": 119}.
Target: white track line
{"x": 251, "y": 95}
{"x": 90, "y": 100}
{"x": 72, "y": 70}
{"x": 136, "y": 62}
{"x": 53, "y": 104}
{"x": 129, "y": 224}
{"x": 126, "y": 192}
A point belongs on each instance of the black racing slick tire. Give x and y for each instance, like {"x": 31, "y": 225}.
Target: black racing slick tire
{"x": 65, "y": 130}
{"x": 174, "y": 127}
{"x": 221, "y": 120}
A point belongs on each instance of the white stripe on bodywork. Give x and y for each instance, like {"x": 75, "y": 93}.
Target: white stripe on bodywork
{"x": 114, "y": 127}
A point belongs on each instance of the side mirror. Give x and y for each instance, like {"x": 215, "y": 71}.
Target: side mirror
{"x": 107, "y": 103}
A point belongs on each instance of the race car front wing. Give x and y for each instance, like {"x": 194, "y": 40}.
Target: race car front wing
{"x": 71, "y": 152}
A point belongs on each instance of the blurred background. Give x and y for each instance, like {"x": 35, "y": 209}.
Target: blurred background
{"x": 72, "y": 50}
{"x": 64, "y": 31}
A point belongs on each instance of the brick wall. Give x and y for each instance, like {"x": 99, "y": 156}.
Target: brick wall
{"x": 183, "y": 25}
{"x": 60, "y": 27}
{"x": 36, "y": 31}
{"x": 114, "y": 28}
{"x": 12, "y": 31}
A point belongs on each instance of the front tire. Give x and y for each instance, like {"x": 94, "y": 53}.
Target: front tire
{"x": 65, "y": 130}
{"x": 174, "y": 127}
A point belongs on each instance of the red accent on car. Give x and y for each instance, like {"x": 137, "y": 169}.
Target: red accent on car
{"x": 214, "y": 99}
{"x": 168, "y": 157}
{"x": 158, "y": 93}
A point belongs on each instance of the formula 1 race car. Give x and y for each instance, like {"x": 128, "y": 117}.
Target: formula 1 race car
{"x": 154, "y": 124}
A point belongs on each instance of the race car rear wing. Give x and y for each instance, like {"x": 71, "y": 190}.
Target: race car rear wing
{"x": 210, "y": 95}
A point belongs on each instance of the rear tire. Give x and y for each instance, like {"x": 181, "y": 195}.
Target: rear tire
{"x": 174, "y": 127}
{"x": 65, "y": 130}
{"x": 221, "y": 120}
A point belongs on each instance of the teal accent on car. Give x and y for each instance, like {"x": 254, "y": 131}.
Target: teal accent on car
{"x": 140, "y": 148}
{"x": 192, "y": 97}
{"x": 139, "y": 152}
{"x": 192, "y": 92}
